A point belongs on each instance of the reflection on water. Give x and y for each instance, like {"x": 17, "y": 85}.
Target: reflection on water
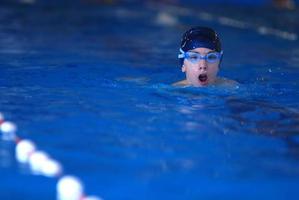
{"x": 6, "y": 153}
{"x": 265, "y": 118}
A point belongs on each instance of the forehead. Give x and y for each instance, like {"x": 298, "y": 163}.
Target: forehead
{"x": 202, "y": 50}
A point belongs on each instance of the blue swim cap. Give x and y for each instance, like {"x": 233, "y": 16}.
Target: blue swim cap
{"x": 197, "y": 37}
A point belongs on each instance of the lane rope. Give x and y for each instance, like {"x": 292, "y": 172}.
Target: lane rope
{"x": 68, "y": 187}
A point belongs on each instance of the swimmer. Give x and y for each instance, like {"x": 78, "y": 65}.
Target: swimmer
{"x": 200, "y": 56}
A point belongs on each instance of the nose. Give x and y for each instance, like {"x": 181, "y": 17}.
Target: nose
{"x": 203, "y": 68}
{"x": 202, "y": 65}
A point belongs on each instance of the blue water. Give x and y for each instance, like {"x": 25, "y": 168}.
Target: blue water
{"x": 91, "y": 85}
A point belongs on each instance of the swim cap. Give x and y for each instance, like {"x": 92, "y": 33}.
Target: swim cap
{"x": 197, "y": 37}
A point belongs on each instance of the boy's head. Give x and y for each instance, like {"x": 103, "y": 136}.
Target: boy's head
{"x": 200, "y": 55}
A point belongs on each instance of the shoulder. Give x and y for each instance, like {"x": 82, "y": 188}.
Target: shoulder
{"x": 226, "y": 82}
{"x": 181, "y": 83}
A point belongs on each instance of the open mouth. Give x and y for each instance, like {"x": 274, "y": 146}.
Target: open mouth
{"x": 202, "y": 77}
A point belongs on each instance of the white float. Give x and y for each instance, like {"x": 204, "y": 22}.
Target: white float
{"x": 8, "y": 130}
{"x": 23, "y": 150}
{"x": 69, "y": 188}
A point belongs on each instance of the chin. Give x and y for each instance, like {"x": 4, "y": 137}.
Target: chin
{"x": 203, "y": 84}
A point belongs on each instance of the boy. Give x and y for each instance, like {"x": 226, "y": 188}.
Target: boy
{"x": 200, "y": 56}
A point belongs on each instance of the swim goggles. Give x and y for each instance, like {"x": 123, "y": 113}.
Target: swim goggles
{"x": 194, "y": 57}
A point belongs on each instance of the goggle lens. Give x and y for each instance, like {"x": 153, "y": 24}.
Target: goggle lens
{"x": 196, "y": 57}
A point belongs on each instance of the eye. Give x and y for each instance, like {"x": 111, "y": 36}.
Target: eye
{"x": 193, "y": 56}
{"x": 212, "y": 57}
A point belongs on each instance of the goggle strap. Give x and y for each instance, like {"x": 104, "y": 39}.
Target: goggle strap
{"x": 181, "y": 54}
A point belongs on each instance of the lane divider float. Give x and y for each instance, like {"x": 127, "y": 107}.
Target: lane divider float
{"x": 39, "y": 162}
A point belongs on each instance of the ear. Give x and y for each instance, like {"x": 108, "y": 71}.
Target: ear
{"x": 183, "y": 68}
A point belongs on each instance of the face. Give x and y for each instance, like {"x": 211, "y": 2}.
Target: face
{"x": 201, "y": 73}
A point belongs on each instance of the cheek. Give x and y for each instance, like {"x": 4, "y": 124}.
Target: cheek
{"x": 190, "y": 71}
{"x": 214, "y": 69}
{"x": 188, "y": 68}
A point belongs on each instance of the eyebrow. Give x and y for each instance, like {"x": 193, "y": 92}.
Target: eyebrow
{"x": 212, "y": 51}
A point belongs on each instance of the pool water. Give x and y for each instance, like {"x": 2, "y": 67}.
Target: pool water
{"x": 91, "y": 85}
